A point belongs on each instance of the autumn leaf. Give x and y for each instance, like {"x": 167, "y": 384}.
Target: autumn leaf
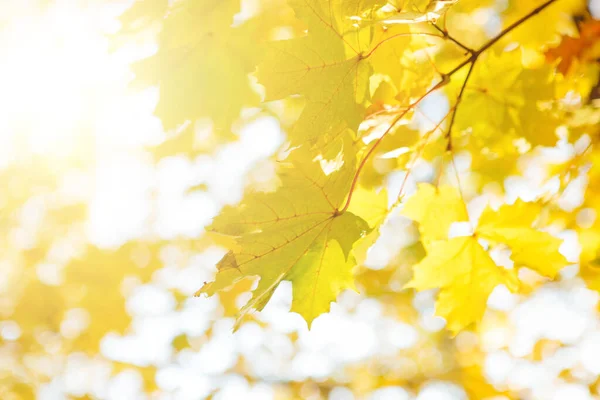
{"x": 435, "y": 209}
{"x": 402, "y": 57}
{"x": 296, "y": 233}
{"x": 465, "y": 274}
{"x": 570, "y": 48}
{"x": 202, "y": 65}
{"x": 502, "y": 99}
{"x": 370, "y": 205}
{"x": 513, "y": 226}
{"x": 463, "y": 270}
{"x": 327, "y": 67}
{"x": 490, "y": 99}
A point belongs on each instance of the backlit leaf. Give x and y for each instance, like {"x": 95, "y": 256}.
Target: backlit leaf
{"x": 465, "y": 274}
{"x": 513, "y": 226}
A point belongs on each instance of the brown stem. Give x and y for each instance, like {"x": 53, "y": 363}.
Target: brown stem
{"x": 372, "y": 149}
{"x": 458, "y": 99}
{"x": 452, "y": 39}
{"x": 414, "y": 159}
{"x": 445, "y": 79}
{"x": 514, "y": 25}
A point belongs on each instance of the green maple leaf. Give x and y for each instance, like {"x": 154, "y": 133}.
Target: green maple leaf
{"x": 295, "y": 233}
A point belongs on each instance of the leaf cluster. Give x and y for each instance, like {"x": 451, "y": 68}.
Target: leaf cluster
{"x": 353, "y": 83}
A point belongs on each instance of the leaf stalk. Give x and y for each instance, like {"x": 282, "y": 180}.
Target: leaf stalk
{"x": 445, "y": 79}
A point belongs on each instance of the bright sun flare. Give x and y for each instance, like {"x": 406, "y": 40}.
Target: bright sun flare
{"x": 62, "y": 86}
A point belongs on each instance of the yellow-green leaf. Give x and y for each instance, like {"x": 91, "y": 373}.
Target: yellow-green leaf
{"x": 512, "y": 225}
{"x": 202, "y": 65}
{"x": 465, "y": 274}
{"x": 326, "y": 67}
{"x": 295, "y": 233}
{"x": 435, "y": 209}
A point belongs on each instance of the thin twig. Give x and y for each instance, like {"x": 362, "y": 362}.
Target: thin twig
{"x": 445, "y": 79}
{"x": 378, "y": 141}
{"x": 458, "y": 99}
{"x": 414, "y": 159}
{"x": 514, "y": 25}
{"x": 452, "y": 39}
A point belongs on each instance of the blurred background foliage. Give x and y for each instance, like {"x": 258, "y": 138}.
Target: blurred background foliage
{"x": 104, "y": 205}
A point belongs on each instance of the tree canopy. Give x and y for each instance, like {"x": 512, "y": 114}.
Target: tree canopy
{"x": 433, "y": 171}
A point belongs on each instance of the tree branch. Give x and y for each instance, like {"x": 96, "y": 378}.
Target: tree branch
{"x": 378, "y": 141}
{"x": 458, "y": 99}
{"x": 452, "y": 39}
{"x": 445, "y": 79}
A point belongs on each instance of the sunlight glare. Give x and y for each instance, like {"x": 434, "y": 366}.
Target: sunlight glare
{"x": 58, "y": 78}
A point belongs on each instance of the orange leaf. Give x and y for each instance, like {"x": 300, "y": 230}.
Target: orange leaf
{"x": 571, "y": 48}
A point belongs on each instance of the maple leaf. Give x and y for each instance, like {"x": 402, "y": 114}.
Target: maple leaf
{"x": 571, "y": 48}
{"x": 503, "y": 98}
{"x": 435, "y": 209}
{"x": 512, "y": 225}
{"x": 202, "y": 64}
{"x": 401, "y": 54}
{"x": 295, "y": 233}
{"x": 463, "y": 270}
{"x": 538, "y": 32}
{"x": 465, "y": 274}
{"x": 326, "y": 67}
{"x": 371, "y": 206}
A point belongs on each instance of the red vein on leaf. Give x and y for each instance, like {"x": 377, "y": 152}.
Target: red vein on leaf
{"x": 253, "y": 301}
{"x": 378, "y": 141}
{"x": 287, "y": 241}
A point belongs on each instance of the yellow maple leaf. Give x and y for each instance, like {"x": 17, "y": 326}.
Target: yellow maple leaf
{"x": 435, "y": 209}
{"x": 538, "y": 32}
{"x": 512, "y": 225}
{"x": 369, "y": 204}
{"x": 465, "y": 274}
{"x": 296, "y": 233}
{"x": 504, "y": 99}
{"x": 319, "y": 276}
{"x": 372, "y": 206}
{"x": 202, "y": 65}
{"x": 400, "y": 55}
{"x": 327, "y": 67}
{"x": 571, "y": 48}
